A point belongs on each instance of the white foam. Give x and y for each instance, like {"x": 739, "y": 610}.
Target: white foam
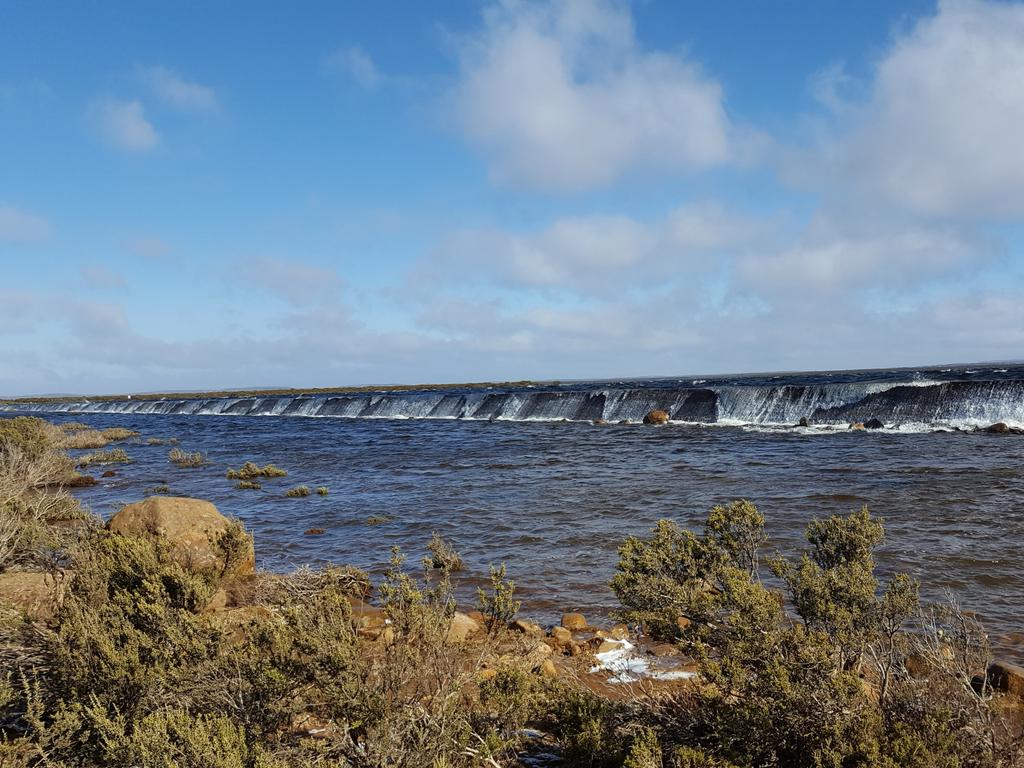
{"x": 627, "y": 667}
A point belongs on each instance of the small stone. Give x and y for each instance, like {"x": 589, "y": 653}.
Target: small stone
{"x": 663, "y": 650}
{"x": 315, "y": 531}
{"x": 574, "y": 621}
{"x": 561, "y": 635}
{"x": 682, "y": 622}
{"x": 873, "y": 424}
{"x": 856, "y": 426}
{"x": 109, "y": 473}
{"x": 526, "y": 627}
{"x": 462, "y": 628}
{"x": 619, "y": 632}
{"x": 804, "y": 422}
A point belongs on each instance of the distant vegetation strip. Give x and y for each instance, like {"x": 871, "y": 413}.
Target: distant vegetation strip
{"x": 292, "y": 392}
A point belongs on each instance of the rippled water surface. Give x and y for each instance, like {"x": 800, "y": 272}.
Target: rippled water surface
{"x": 554, "y": 500}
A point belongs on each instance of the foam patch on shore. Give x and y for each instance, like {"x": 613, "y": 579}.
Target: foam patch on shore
{"x": 627, "y": 666}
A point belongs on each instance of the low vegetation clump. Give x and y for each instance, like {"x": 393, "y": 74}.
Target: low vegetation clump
{"x": 115, "y": 456}
{"x": 248, "y": 485}
{"x": 251, "y": 470}
{"x": 85, "y": 439}
{"x": 323, "y": 490}
{"x": 377, "y": 520}
{"x": 161, "y": 441}
{"x": 72, "y": 426}
{"x": 158, "y": 490}
{"x": 298, "y": 491}
{"x": 180, "y": 458}
{"x": 441, "y": 554}
{"x": 116, "y": 434}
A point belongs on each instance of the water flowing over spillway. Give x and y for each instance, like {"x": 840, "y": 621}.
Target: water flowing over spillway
{"x": 967, "y": 397}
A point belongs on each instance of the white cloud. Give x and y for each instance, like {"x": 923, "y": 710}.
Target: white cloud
{"x": 179, "y": 93}
{"x": 98, "y": 276}
{"x": 22, "y": 227}
{"x": 124, "y": 124}
{"x": 597, "y": 254}
{"x": 355, "y": 63}
{"x": 563, "y": 96}
{"x": 831, "y": 257}
{"x": 149, "y": 248}
{"x": 294, "y": 282}
{"x": 940, "y": 133}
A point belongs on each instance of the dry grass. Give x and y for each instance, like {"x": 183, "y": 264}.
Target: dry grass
{"x": 251, "y": 470}
{"x": 116, "y": 434}
{"x": 116, "y": 456}
{"x": 84, "y": 438}
{"x": 180, "y": 458}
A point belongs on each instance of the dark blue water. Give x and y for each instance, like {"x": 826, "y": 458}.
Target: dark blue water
{"x": 553, "y": 500}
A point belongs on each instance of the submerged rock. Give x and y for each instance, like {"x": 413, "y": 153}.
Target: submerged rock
{"x": 873, "y": 424}
{"x": 656, "y": 417}
{"x": 804, "y": 422}
{"x": 192, "y": 527}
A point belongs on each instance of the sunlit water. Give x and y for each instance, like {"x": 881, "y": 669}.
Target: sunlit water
{"x": 554, "y": 500}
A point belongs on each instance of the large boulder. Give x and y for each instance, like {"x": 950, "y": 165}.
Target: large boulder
{"x": 656, "y": 417}
{"x": 462, "y": 628}
{"x": 192, "y": 527}
{"x": 35, "y": 595}
{"x": 1006, "y": 677}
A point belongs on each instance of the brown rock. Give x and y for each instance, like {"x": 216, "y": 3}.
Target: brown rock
{"x": 574, "y": 621}
{"x": 682, "y": 622}
{"x": 561, "y": 636}
{"x": 663, "y": 650}
{"x": 619, "y": 632}
{"x": 35, "y": 595}
{"x": 999, "y": 428}
{"x": 109, "y": 473}
{"x": 218, "y": 602}
{"x": 191, "y": 526}
{"x": 315, "y": 531}
{"x": 526, "y": 627}
{"x": 366, "y": 616}
{"x": 856, "y": 426}
{"x": 478, "y": 617}
{"x": 608, "y": 645}
{"x": 462, "y": 628}
{"x": 1006, "y": 677}
{"x": 656, "y": 417}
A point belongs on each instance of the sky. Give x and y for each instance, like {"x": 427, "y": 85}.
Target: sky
{"x": 201, "y": 195}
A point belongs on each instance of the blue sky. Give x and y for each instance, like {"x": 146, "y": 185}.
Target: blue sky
{"x": 203, "y": 195}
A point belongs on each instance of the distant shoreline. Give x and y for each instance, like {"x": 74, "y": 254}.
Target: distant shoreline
{"x": 284, "y": 392}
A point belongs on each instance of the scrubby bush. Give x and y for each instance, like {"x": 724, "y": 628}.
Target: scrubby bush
{"x": 248, "y": 485}
{"x": 441, "y": 554}
{"x": 180, "y": 458}
{"x": 323, "y": 490}
{"x": 116, "y": 456}
{"x": 498, "y": 604}
{"x": 250, "y": 470}
{"x": 298, "y": 491}
{"x": 115, "y": 434}
{"x": 85, "y": 438}
{"x": 32, "y": 436}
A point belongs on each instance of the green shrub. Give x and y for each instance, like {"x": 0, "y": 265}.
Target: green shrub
{"x": 298, "y": 491}
{"x": 498, "y": 605}
{"x": 442, "y": 555}
{"x": 32, "y": 436}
